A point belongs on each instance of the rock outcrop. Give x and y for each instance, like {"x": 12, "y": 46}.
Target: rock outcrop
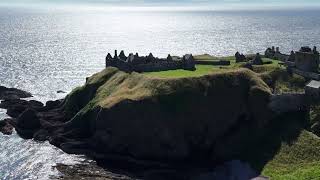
{"x": 131, "y": 116}
{"x": 13, "y": 93}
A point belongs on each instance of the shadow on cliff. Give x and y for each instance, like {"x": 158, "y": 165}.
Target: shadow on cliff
{"x": 283, "y": 129}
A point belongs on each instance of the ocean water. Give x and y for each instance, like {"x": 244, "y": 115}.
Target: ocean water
{"x": 43, "y": 50}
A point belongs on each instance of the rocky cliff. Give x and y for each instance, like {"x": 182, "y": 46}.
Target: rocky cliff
{"x": 117, "y": 114}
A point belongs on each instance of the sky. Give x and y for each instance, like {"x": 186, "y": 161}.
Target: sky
{"x": 222, "y": 3}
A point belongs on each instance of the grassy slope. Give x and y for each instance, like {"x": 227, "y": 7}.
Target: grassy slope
{"x": 298, "y": 160}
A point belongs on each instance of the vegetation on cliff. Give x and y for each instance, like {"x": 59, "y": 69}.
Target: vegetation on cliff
{"x": 177, "y": 118}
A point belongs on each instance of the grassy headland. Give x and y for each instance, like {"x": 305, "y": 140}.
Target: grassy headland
{"x": 286, "y": 149}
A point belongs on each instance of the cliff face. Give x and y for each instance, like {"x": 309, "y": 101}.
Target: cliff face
{"x": 210, "y": 117}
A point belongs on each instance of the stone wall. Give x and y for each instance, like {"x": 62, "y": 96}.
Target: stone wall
{"x": 149, "y": 63}
{"x": 307, "y": 61}
{"x": 274, "y": 53}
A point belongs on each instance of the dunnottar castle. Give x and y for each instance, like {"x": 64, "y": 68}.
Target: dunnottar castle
{"x": 149, "y": 63}
{"x": 306, "y": 59}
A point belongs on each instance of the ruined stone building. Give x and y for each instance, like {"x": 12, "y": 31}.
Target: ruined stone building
{"x": 149, "y": 63}
{"x": 274, "y": 53}
{"x": 307, "y": 59}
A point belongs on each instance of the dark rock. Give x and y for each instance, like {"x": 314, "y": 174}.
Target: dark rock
{"x": 61, "y": 92}
{"x": 35, "y": 104}
{"x": 230, "y": 171}
{"x": 5, "y": 127}
{"x": 28, "y": 120}
{"x": 16, "y": 106}
{"x": 57, "y": 140}
{"x": 11, "y": 97}
{"x": 16, "y": 110}
{"x": 75, "y": 147}
{"x": 41, "y": 135}
{"x": 53, "y": 104}
{"x": 6, "y": 93}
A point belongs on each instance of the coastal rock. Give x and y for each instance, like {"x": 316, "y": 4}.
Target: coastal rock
{"x": 17, "y": 106}
{"x": 53, "y": 104}
{"x": 13, "y": 93}
{"x": 41, "y": 135}
{"x": 28, "y": 123}
{"x": 5, "y": 127}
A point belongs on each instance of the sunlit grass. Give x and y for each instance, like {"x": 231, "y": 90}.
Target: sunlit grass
{"x": 201, "y": 70}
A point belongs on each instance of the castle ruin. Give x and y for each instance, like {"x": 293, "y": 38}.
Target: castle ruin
{"x": 149, "y": 63}
{"x": 306, "y": 59}
{"x": 274, "y": 53}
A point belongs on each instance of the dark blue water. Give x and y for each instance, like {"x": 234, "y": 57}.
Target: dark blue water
{"x": 44, "y": 50}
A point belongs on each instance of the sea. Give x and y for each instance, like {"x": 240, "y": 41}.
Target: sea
{"x": 47, "y": 49}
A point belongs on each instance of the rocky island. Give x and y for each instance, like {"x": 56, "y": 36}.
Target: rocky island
{"x": 192, "y": 123}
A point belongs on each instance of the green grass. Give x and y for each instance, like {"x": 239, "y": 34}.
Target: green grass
{"x": 295, "y": 161}
{"x": 201, "y": 70}
{"x": 208, "y": 69}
